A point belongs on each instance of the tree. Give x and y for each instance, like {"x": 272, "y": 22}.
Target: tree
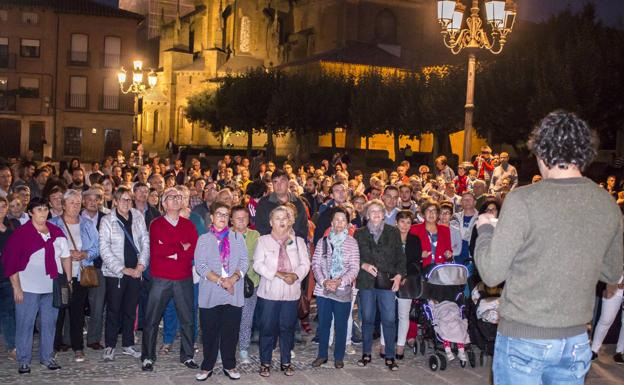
{"x": 442, "y": 105}
{"x": 570, "y": 61}
{"x": 364, "y": 107}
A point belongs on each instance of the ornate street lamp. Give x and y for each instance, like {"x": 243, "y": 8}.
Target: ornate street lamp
{"x": 500, "y": 16}
{"x": 138, "y": 88}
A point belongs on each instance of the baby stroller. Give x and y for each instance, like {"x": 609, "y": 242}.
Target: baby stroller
{"x": 441, "y": 283}
{"x": 483, "y": 319}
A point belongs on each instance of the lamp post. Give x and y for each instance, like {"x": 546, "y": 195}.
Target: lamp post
{"x": 138, "y": 88}
{"x": 500, "y": 16}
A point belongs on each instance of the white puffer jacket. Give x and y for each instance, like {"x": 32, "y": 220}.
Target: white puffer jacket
{"x": 112, "y": 239}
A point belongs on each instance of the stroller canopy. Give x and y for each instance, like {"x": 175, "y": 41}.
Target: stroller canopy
{"x": 449, "y": 274}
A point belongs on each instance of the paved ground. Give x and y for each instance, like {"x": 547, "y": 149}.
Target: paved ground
{"x": 413, "y": 370}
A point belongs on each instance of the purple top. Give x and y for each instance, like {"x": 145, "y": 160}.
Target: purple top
{"x": 24, "y": 242}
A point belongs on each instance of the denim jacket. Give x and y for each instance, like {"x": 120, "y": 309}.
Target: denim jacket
{"x": 88, "y": 235}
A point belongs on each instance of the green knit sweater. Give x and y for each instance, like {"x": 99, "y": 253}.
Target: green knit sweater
{"x": 552, "y": 243}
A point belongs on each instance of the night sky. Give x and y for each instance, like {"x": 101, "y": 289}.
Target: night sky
{"x": 610, "y": 12}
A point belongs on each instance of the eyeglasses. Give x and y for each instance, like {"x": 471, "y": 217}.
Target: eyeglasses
{"x": 125, "y": 200}
{"x": 174, "y": 197}
{"x": 219, "y": 214}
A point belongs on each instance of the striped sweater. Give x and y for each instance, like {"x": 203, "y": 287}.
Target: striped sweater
{"x": 321, "y": 264}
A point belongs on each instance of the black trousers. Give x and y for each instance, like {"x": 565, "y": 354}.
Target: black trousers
{"x": 122, "y": 297}
{"x": 161, "y": 291}
{"x": 220, "y": 326}
{"x": 78, "y": 301}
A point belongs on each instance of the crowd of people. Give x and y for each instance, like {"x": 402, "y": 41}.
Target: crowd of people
{"x": 217, "y": 252}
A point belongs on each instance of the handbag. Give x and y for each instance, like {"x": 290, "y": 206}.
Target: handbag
{"x": 61, "y": 293}
{"x": 248, "y": 287}
{"x": 383, "y": 280}
{"x": 412, "y": 288}
{"x": 88, "y": 274}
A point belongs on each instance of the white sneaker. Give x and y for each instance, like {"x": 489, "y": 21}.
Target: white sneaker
{"x": 461, "y": 354}
{"x": 131, "y": 351}
{"x": 350, "y": 349}
{"x": 292, "y": 355}
{"x": 244, "y": 357}
{"x": 449, "y": 355}
{"x": 109, "y": 354}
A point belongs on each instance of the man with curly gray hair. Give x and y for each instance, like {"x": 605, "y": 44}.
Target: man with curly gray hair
{"x": 552, "y": 242}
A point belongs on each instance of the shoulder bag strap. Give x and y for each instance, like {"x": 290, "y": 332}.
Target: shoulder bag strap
{"x": 128, "y": 237}
{"x": 71, "y": 237}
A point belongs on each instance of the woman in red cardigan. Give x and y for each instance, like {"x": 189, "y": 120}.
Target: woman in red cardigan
{"x": 435, "y": 239}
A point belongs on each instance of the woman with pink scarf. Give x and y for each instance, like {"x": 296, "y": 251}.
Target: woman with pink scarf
{"x": 221, "y": 262}
{"x": 282, "y": 261}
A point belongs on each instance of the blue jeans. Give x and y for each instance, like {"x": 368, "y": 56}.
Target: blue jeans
{"x": 549, "y": 362}
{"x": 25, "y": 314}
{"x": 339, "y": 311}
{"x": 170, "y": 319}
{"x": 277, "y": 319}
{"x": 370, "y": 300}
{"x": 7, "y": 315}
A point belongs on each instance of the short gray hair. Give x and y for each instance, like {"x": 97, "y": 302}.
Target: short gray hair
{"x": 72, "y": 194}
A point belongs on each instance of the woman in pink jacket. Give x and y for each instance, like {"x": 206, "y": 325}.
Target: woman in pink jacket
{"x": 282, "y": 261}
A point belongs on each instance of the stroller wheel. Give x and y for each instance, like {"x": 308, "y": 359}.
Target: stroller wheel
{"x": 442, "y": 361}
{"x": 472, "y": 358}
{"x": 482, "y": 358}
{"x": 434, "y": 362}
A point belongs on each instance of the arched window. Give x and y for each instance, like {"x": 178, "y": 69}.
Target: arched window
{"x": 386, "y": 27}
{"x": 245, "y": 34}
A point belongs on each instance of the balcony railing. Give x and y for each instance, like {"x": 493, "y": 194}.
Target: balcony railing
{"x": 110, "y": 60}
{"x": 8, "y": 103}
{"x": 116, "y": 103}
{"x": 78, "y": 58}
{"x": 7, "y": 61}
{"x": 77, "y": 101}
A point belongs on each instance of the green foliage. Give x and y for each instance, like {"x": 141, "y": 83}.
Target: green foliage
{"x": 571, "y": 62}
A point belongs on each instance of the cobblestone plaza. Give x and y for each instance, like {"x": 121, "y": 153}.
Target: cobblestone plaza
{"x": 168, "y": 370}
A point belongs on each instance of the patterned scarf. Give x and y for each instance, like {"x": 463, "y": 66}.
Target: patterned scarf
{"x": 283, "y": 262}
{"x": 336, "y": 240}
{"x": 224, "y": 245}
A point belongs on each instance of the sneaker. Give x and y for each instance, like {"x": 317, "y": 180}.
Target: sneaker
{"x": 449, "y": 355}
{"x": 619, "y": 358}
{"x": 23, "y": 369}
{"x": 232, "y": 374}
{"x": 190, "y": 364}
{"x": 12, "y": 355}
{"x": 51, "y": 365}
{"x": 131, "y": 351}
{"x": 203, "y": 375}
{"x": 350, "y": 349}
{"x": 109, "y": 354}
{"x": 594, "y": 356}
{"x": 244, "y": 357}
{"x": 461, "y": 354}
{"x": 79, "y": 356}
{"x": 147, "y": 365}
{"x": 292, "y": 355}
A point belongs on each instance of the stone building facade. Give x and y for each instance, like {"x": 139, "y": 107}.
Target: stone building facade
{"x": 59, "y": 94}
{"x": 230, "y": 36}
